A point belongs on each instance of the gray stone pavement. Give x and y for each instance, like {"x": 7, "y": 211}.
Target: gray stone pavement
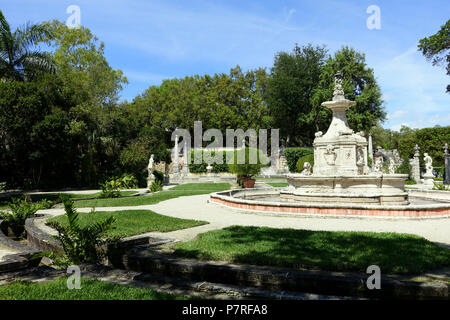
{"x": 198, "y": 208}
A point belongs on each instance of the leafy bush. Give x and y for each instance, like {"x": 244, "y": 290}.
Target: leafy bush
{"x": 81, "y": 244}
{"x": 2, "y": 186}
{"x": 110, "y": 189}
{"x": 159, "y": 176}
{"x": 21, "y": 210}
{"x": 293, "y": 154}
{"x": 156, "y": 186}
{"x": 405, "y": 168}
{"x": 440, "y": 186}
{"x": 301, "y": 162}
{"x": 128, "y": 181}
{"x": 247, "y": 170}
{"x": 410, "y": 181}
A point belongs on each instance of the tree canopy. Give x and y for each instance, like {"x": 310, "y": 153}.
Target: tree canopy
{"x": 436, "y": 48}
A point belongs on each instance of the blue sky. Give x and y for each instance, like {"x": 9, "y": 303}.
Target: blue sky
{"x": 154, "y": 40}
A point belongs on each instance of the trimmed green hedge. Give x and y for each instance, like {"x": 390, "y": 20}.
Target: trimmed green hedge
{"x": 216, "y": 167}
{"x": 293, "y": 154}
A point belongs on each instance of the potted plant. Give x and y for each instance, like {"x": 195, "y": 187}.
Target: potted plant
{"x": 247, "y": 164}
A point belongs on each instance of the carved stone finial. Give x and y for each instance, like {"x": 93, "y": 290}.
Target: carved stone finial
{"x": 416, "y": 151}
{"x": 338, "y": 93}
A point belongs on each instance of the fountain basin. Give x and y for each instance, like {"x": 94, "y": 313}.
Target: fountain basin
{"x": 374, "y": 189}
{"x": 270, "y": 201}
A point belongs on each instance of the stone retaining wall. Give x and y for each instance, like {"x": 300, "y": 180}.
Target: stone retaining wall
{"x": 23, "y": 257}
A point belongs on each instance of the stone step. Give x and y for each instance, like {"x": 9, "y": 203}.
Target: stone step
{"x": 274, "y": 279}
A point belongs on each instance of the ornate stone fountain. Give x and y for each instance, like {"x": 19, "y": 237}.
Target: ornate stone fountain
{"x": 341, "y": 173}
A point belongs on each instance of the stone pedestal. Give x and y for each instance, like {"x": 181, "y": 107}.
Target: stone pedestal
{"x": 447, "y": 165}
{"x": 428, "y": 180}
{"x": 415, "y": 165}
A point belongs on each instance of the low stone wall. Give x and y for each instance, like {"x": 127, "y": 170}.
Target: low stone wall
{"x": 202, "y": 178}
{"x": 235, "y": 199}
{"x": 277, "y": 278}
{"x": 23, "y": 256}
{"x": 43, "y": 241}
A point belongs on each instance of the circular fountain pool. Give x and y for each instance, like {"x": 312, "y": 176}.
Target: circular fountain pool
{"x": 269, "y": 200}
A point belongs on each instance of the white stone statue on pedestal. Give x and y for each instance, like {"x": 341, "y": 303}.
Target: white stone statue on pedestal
{"x": 428, "y": 176}
{"x": 150, "y": 169}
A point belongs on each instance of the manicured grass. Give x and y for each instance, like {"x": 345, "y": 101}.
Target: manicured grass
{"x": 277, "y": 184}
{"x": 90, "y": 290}
{"x": 332, "y": 251}
{"x": 55, "y": 196}
{"x": 134, "y": 222}
{"x": 190, "y": 189}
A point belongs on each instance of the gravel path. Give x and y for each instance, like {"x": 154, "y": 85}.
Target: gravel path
{"x": 198, "y": 208}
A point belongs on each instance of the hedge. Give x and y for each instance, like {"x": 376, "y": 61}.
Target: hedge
{"x": 201, "y": 168}
{"x": 293, "y": 154}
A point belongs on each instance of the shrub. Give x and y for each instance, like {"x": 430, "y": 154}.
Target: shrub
{"x": 156, "y": 186}
{"x": 81, "y": 244}
{"x": 301, "y": 162}
{"x": 440, "y": 186}
{"x": 128, "y": 181}
{"x": 110, "y": 189}
{"x": 2, "y": 186}
{"x": 405, "y": 168}
{"x": 293, "y": 154}
{"x": 159, "y": 176}
{"x": 410, "y": 181}
{"x": 201, "y": 167}
{"x": 21, "y": 210}
{"x": 247, "y": 170}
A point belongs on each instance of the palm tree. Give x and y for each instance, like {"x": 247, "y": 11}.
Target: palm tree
{"x": 18, "y": 62}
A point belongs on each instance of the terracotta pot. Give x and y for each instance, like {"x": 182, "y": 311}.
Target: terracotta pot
{"x": 249, "y": 183}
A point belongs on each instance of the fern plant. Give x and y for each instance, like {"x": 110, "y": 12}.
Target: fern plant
{"x": 81, "y": 244}
{"x": 156, "y": 186}
{"x": 21, "y": 210}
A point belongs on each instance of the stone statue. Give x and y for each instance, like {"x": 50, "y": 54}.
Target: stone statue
{"x": 392, "y": 166}
{"x": 428, "y": 164}
{"x": 150, "y": 165}
{"x": 378, "y": 167}
{"x": 306, "y": 169}
{"x": 150, "y": 169}
{"x": 338, "y": 93}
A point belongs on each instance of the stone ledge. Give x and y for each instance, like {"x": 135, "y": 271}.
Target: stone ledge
{"x": 225, "y": 198}
{"x": 271, "y": 278}
{"x": 23, "y": 256}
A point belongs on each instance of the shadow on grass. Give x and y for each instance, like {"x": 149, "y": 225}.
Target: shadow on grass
{"x": 320, "y": 250}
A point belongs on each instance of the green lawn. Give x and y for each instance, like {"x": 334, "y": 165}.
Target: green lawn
{"x": 90, "y": 290}
{"x": 178, "y": 191}
{"x": 134, "y": 222}
{"x": 54, "y": 196}
{"x": 333, "y": 251}
{"x": 277, "y": 184}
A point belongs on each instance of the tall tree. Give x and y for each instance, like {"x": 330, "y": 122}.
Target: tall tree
{"x": 19, "y": 61}
{"x": 290, "y": 89}
{"x": 359, "y": 85}
{"x": 436, "y": 48}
